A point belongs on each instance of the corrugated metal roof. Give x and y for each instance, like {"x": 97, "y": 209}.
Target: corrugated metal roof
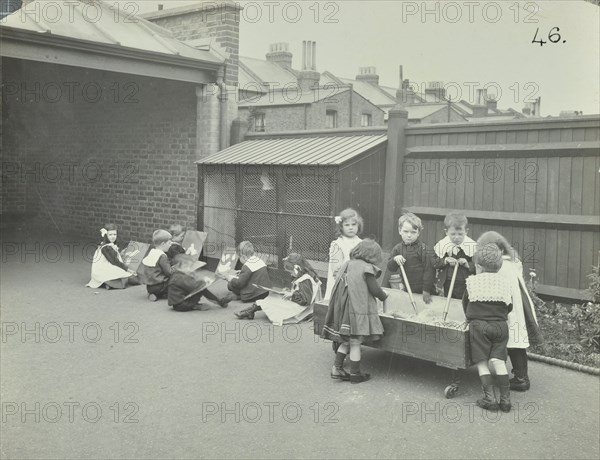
{"x": 105, "y": 24}
{"x": 330, "y": 150}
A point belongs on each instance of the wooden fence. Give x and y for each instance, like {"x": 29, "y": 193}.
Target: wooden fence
{"x": 535, "y": 181}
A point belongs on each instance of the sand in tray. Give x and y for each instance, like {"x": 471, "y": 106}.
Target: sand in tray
{"x": 398, "y": 305}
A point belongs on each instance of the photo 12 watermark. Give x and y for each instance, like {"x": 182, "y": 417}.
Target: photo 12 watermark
{"x": 269, "y": 412}
{"x": 68, "y": 332}
{"x": 69, "y": 412}
{"x": 466, "y": 412}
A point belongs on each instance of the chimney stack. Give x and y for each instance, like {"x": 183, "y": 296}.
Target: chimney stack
{"x": 279, "y": 54}
{"x": 368, "y": 74}
{"x": 435, "y": 89}
{"x": 160, "y": 7}
{"x": 308, "y": 77}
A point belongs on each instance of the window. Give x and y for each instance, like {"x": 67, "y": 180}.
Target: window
{"x": 331, "y": 119}
{"x": 259, "y": 122}
{"x": 366, "y": 119}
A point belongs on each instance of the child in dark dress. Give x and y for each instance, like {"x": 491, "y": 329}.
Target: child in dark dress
{"x": 353, "y": 317}
{"x": 455, "y": 248}
{"x": 487, "y": 302}
{"x": 414, "y": 255}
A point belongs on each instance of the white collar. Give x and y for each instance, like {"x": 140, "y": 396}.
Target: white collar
{"x": 446, "y": 246}
{"x": 152, "y": 258}
{"x": 489, "y": 287}
{"x": 255, "y": 263}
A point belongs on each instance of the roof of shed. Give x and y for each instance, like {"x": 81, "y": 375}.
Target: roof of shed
{"x": 330, "y": 150}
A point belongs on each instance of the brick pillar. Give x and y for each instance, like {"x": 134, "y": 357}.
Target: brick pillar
{"x": 393, "y": 189}
{"x": 207, "y": 120}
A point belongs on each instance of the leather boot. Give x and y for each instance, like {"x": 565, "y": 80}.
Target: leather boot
{"x": 489, "y": 398}
{"x": 504, "y": 387}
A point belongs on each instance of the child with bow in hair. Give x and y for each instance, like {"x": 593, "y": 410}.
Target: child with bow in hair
{"x": 108, "y": 268}
{"x": 349, "y": 226}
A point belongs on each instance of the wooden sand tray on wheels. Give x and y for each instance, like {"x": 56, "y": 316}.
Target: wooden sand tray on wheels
{"x": 424, "y": 336}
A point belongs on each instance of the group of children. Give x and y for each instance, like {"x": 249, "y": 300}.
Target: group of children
{"x": 169, "y": 271}
{"x": 488, "y": 279}
{"x": 486, "y": 275}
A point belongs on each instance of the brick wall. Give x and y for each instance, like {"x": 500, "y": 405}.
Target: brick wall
{"x": 219, "y": 20}
{"x": 312, "y": 116}
{"x": 126, "y": 158}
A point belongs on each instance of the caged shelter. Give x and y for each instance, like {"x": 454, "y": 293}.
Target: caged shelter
{"x": 282, "y": 192}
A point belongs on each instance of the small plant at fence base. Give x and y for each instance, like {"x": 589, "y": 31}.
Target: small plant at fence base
{"x": 571, "y": 331}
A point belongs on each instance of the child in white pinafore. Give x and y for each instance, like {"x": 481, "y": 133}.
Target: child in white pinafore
{"x": 350, "y": 225}
{"x": 108, "y": 268}
{"x": 522, "y": 321}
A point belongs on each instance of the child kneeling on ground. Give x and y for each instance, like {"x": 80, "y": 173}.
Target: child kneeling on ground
{"x": 245, "y": 286}
{"x": 487, "y": 302}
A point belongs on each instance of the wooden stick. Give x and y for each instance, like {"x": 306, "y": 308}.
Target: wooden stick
{"x": 410, "y": 294}
{"x": 447, "y": 307}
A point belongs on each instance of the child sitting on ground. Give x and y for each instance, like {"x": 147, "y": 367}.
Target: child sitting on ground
{"x": 487, "y": 302}
{"x": 306, "y": 285}
{"x": 352, "y": 317}
{"x": 245, "y": 285}
{"x": 455, "y": 248}
{"x": 414, "y": 255}
{"x": 108, "y": 268}
{"x": 155, "y": 267}
{"x": 186, "y": 280}
{"x": 178, "y": 233}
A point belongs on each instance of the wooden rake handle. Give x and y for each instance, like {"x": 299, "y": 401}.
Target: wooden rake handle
{"x": 410, "y": 294}
{"x": 447, "y": 307}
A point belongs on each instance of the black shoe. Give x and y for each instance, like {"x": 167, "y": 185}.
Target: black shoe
{"x": 247, "y": 313}
{"x": 520, "y": 383}
{"x": 339, "y": 374}
{"x": 359, "y": 378}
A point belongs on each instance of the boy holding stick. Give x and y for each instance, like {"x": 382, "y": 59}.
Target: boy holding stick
{"x": 454, "y": 255}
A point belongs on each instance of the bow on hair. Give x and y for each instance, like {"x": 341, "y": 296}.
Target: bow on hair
{"x": 338, "y": 219}
{"x": 103, "y": 232}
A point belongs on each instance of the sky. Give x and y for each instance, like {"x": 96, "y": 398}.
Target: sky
{"x": 464, "y": 44}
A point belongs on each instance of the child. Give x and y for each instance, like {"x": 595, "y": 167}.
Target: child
{"x": 306, "y": 286}
{"x": 487, "y": 301}
{"x": 178, "y": 233}
{"x": 349, "y": 225}
{"x": 522, "y": 322}
{"x": 156, "y": 269}
{"x": 185, "y": 280}
{"x": 352, "y": 317}
{"x": 455, "y": 248}
{"x": 414, "y": 256}
{"x": 108, "y": 267}
{"x": 244, "y": 286}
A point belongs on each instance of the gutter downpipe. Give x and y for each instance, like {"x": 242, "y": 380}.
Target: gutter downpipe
{"x": 222, "y": 108}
